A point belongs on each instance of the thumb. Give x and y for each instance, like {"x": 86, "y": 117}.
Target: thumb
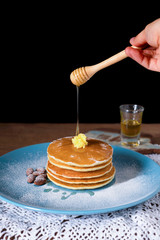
{"x": 139, "y": 40}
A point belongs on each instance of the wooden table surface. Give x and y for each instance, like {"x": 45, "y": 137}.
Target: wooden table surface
{"x": 16, "y": 135}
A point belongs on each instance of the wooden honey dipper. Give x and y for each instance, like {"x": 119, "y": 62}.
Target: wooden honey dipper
{"x": 83, "y": 74}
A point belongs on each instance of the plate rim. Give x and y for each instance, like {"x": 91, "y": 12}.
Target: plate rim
{"x": 79, "y": 212}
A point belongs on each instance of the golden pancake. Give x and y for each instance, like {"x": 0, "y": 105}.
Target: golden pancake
{"x": 75, "y": 174}
{"x": 79, "y": 169}
{"x": 95, "y": 153}
{"x": 103, "y": 178}
{"x": 78, "y": 186}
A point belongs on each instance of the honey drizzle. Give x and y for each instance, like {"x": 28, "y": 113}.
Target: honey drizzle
{"x": 77, "y": 127}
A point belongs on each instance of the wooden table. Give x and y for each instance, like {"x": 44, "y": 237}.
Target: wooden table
{"x": 16, "y": 135}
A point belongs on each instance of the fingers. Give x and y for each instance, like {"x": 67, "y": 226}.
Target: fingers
{"x": 143, "y": 58}
{"x": 149, "y": 41}
{"x": 135, "y": 54}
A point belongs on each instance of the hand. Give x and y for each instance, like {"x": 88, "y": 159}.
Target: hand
{"x": 149, "y": 40}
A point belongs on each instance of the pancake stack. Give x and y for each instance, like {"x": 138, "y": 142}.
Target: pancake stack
{"x": 84, "y": 168}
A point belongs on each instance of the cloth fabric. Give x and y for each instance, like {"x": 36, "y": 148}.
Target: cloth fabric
{"x": 139, "y": 222}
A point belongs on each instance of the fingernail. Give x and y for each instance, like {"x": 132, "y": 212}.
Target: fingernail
{"x": 132, "y": 40}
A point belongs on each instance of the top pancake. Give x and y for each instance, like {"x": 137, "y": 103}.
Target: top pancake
{"x": 95, "y": 153}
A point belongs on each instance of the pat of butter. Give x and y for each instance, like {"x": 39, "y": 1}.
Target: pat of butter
{"x": 79, "y": 141}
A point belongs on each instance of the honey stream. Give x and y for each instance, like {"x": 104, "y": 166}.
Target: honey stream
{"x": 77, "y": 127}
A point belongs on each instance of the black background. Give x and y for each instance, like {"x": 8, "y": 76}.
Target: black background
{"x": 42, "y": 45}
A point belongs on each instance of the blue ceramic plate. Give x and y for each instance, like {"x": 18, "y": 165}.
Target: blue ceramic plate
{"x": 137, "y": 179}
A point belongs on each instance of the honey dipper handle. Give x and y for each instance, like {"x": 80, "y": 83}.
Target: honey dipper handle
{"x": 91, "y": 70}
{"x": 114, "y": 59}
